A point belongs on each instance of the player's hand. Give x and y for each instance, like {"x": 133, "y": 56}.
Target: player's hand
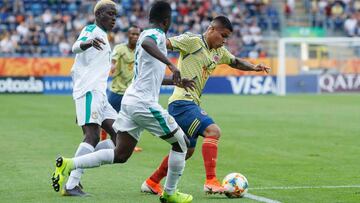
{"x": 176, "y": 75}
{"x": 187, "y": 84}
{"x": 96, "y": 43}
{"x": 262, "y": 67}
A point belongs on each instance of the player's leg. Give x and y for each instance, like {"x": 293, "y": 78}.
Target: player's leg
{"x": 210, "y": 152}
{"x": 188, "y": 121}
{"x": 152, "y": 184}
{"x": 91, "y": 133}
{"x": 108, "y": 115}
{"x": 91, "y": 160}
{"x": 125, "y": 144}
{"x": 201, "y": 124}
{"x": 176, "y": 165}
{"x": 88, "y": 108}
{"x": 107, "y": 126}
{"x": 195, "y": 121}
{"x": 158, "y": 122}
{"x": 123, "y": 150}
{"x": 128, "y": 134}
{"x": 115, "y": 101}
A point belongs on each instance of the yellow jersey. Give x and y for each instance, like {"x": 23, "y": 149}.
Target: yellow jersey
{"x": 197, "y": 62}
{"x": 123, "y": 73}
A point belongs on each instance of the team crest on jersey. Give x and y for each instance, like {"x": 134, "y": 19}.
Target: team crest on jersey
{"x": 216, "y": 58}
{"x": 94, "y": 115}
{"x": 171, "y": 120}
{"x": 203, "y": 112}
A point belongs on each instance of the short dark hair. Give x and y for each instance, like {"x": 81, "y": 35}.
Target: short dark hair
{"x": 133, "y": 26}
{"x": 159, "y": 11}
{"x": 224, "y": 21}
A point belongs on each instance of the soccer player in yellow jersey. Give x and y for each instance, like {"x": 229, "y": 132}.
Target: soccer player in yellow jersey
{"x": 199, "y": 55}
{"x": 122, "y": 67}
{"x": 122, "y": 64}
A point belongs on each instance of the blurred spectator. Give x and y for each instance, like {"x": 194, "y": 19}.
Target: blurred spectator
{"x": 350, "y": 25}
{"x": 48, "y": 28}
{"x": 64, "y": 47}
{"x": 337, "y": 16}
{"x": 7, "y": 44}
{"x": 289, "y": 7}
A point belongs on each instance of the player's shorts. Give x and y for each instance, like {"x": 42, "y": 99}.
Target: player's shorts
{"x": 191, "y": 118}
{"x": 115, "y": 100}
{"x": 93, "y": 107}
{"x": 153, "y": 118}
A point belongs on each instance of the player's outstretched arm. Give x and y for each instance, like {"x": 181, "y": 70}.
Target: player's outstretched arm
{"x": 185, "y": 83}
{"x": 246, "y": 66}
{"x": 167, "y": 81}
{"x": 81, "y": 46}
{"x": 169, "y": 45}
{"x": 150, "y": 47}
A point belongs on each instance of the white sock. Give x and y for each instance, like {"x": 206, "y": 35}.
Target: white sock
{"x": 75, "y": 175}
{"x": 105, "y": 144}
{"x": 175, "y": 170}
{"x": 95, "y": 159}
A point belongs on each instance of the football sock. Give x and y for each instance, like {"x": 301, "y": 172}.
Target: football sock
{"x": 95, "y": 159}
{"x": 161, "y": 172}
{"x": 105, "y": 144}
{"x": 75, "y": 175}
{"x": 175, "y": 170}
{"x": 209, "y": 151}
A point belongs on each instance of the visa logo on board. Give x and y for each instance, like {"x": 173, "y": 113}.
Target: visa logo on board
{"x": 252, "y": 85}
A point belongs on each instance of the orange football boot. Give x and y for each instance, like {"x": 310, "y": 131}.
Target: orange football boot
{"x": 151, "y": 187}
{"x": 213, "y": 186}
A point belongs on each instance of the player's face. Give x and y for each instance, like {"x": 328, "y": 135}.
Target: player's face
{"x": 133, "y": 35}
{"x": 167, "y": 23}
{"x": 218, "y": 36}
{"x": 107, "y": 17}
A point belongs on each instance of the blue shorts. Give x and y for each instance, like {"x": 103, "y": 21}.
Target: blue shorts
{"x": 115, "y": 100}
{"x": 191, "y": 118}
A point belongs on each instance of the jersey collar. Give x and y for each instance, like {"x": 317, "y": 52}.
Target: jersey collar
{"x": 158, "y": 29}
{"x": 204, "y": 41}
{"x": 100, "y": 28}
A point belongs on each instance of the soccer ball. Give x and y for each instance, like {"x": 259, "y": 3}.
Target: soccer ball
{"x": 235, "y": 184}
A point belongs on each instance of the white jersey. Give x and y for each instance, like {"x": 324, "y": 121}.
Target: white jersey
{"x": 91, "y": 68}
{"x": 148, "y": 72}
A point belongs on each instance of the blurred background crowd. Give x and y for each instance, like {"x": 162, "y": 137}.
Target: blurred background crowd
{"x": 49, "y": 27}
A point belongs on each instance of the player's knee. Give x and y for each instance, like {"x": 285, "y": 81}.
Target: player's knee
{"x": 189, "y": 153}
{"x": 212, "y": 130}
{"x": 121, "y": 158}
{"x": 92, "y": 139}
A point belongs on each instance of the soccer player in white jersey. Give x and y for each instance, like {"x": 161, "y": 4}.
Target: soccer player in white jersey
{"x": 140, "y": 110}
{"x": 90, "y": 74}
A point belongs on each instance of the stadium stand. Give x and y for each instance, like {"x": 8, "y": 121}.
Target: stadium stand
{"x": 47, "y": 28}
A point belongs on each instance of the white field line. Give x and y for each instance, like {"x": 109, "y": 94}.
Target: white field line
{"x": 260, "y": 199}
{"x": 305, "y": 187}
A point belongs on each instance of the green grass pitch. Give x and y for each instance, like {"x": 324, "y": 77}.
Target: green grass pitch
{"x": 303, "y": 140}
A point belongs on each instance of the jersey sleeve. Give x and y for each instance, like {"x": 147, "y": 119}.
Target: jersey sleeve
{"x": 116, "y": 53}
{"x": 156, "y": 36}
{"x": 86, "y": 33}
{"x": 182, "y": 43}
{"x": 227, "y": 57}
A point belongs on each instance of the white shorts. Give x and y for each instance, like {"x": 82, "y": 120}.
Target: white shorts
{"x": 153, "y": 118}
{"x": 93, "y": 107}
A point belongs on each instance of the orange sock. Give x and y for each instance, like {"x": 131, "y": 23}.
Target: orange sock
{"x": 209, "y": 151}
{"x": 161, "y": 172}
{"x": 103, "y": 135}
